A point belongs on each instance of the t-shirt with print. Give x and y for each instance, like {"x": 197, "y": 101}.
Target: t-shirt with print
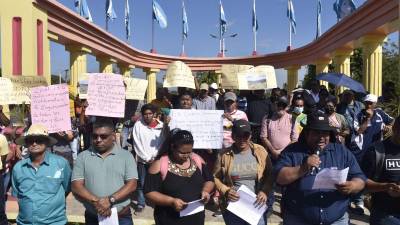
{"x": 244, "y": 170}
{"x": 390, "y": 173}
{"x": 236, "y": 115}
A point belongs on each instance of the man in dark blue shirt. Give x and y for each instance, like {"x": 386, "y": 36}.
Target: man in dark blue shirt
{"x": 296, "y": 169}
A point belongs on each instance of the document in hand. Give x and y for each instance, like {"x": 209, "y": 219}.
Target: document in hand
{"x": 112, "y": 220}
{"x": 327, "y": 178}
{"x": 192, "y": 208}
{"x": 245, "y": 207}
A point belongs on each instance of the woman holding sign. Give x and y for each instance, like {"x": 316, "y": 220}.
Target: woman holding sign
{"x": 244, "y": 163}
{"x": 177, "y": 179}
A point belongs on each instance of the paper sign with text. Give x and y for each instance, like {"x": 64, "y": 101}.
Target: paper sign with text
{"x": 50, "y": 106}
{"x": 106, "y": 95}
{"x": 179, "y": 75}
{"x": 205, "y": 126}
{"x": 6, "y": 88}
{"x": 257, "y": 78}
{"x": 229, "y": 77}
{"x": 135, "y": 88}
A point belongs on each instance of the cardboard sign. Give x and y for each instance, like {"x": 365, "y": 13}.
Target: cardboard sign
{"x": 179, "y": 75}
{"x": 205, "y": 126}
{"x": 257, "y": 78}
{"x": 106, "y": 95}
{"x": 50, "y": 107}
{"x": 135, "y": 88}
{"x": 6, "y": 88}
{"x": 229, "y": 77}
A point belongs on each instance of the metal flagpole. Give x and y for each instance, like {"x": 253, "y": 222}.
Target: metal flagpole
{"x": 220, "y": 33}
{"x": 290, "y": 27}
{"x": 255, "y": 28}
{"x": 183, "y": 31}
{"x": 152, "y": 30}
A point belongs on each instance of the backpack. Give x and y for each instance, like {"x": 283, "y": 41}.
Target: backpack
{"x": 379, "y": 159}
{"x": 164, "y": 164}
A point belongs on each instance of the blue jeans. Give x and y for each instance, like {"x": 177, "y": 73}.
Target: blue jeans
{"x": 124, "y": 137}
{"x": 291, "y": 219}
{"x": 232, "y": 219}
{"x": 142, "y": 171}
{"x": 93, "y": 220}
{"x": 382, "y": 218}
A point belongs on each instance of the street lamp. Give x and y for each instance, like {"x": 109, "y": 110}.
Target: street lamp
{"x": 222, "y": 42}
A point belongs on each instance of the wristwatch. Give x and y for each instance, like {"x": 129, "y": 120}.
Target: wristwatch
{"x": 112, "y": 200}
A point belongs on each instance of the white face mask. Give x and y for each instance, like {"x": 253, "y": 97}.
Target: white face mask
{"x": 298, "y": 110}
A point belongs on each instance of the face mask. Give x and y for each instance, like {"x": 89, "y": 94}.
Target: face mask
{"x": 298, "y": 110}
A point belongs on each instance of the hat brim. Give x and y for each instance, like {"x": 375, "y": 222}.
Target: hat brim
{"x": 21, "y": 140}
{"x": 320, "y": 128}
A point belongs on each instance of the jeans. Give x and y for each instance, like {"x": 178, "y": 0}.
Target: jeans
{"x": 142, "y": 171}
{"x": 381, "y": 218}
{"x": 358, "y": 199}
{"x": 3, "y": 217}
{"x": 91, "y": 219}
{"x": 232, "y": 219}
{"x": 124, "y": 136}
{"x": 291, "y": 219}
{"x": 74, "y": 144}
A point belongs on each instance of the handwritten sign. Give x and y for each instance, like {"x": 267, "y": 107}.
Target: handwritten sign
{"x": 229, "y": 77}
{"x": 50, "y": 107}
{"x": 106, "y": 95}
{"x": 6, "y": 87}
{"x": 205, "y": 125}
{"x": 22, "y": 85}
{"x": 179, "y": 75}
{"x": 135, "y": 88}
{"x": 257, "y": 78}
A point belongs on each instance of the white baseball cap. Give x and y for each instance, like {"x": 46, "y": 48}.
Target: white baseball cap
{"x": 214, "y": 86}
{"x": 371, "y": 98}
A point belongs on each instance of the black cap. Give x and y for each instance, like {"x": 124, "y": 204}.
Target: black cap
{"x": 283, "y": 101}
{"x": 241, "y": 128}
{"x": 318, "y": 121}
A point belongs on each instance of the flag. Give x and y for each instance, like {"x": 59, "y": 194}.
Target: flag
{"x": 83, "y": 9}
{"x": 290, "y": 15}
{"x": 222, "y": 19}
{"x": 159, "y": 15}
{"x": 127, "y": 20}
{"x": 254, "y": 21}
{"x": 343, "y": 8}
{"x": 110, "y": 13}
{"x": 184, "y": 21}
{"x": 319, "y": 9}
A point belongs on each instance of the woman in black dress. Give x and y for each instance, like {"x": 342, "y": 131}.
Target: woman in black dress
{"x": 177, "y": 178}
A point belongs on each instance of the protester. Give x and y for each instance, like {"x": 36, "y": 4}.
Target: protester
{"x": 244, "y": 163}
{"x": 382, "y": 167}
{"x": 185, "y": 101}
{"x": 4, "y": 151}
{"x": 298, "y": 115}
{"x": 63, "y": 146}
{"x": 176, "y": 178}
{"x": 336, "y": 120}
{"x": 258, "y": 106}
{"x": 162, "y": 100}
{"x": 4, "y": 121}
{"x": 242, "y": 100}
{"x": 316, "y": 149}
{"x": 230, "y": 116}
{"x": 104, "y": 176}
{"x": 148, "y": 135}
{"x": 203, "y": 101}
{"x": 313, "y": 93}
{"x": 40, "y": 182}
{"x": 213, "y": 91}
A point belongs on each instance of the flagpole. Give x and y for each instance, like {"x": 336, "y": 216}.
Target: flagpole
{"x": 255, "y": 29}
{"x": 290, "y": 29}
{"x": 152, "y": 31}
{"x": 221, "y": 53}
{"x": 183, "y": 32}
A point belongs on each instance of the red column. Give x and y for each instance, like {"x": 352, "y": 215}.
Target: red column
{"x": 39, "y": 38}
{"x": 17, "y": 45}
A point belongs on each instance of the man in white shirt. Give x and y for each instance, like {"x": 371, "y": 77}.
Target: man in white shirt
{"x": 148, "y": 135}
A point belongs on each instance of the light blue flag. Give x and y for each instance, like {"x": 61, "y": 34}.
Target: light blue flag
{"x": 82, "y": 8}
{"x": 290, "y": 15}
{"x": 254, "y": 20}
{"x": 110, "y": 13}
{"x": 319, "y": 9}
{"x": 127, "y": 20}
{"x": 184, "y": 21}
{"x": 222, "y": 19}
{"x": 159, "y": 15}
{"x": 343, "y": 8}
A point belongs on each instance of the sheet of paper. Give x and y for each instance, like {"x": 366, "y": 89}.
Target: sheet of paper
{"x": 192, "y": 208}
{"x": 112, "y": 220}
{"x": 245, "y": 208}
{"x": 327, "y": 178}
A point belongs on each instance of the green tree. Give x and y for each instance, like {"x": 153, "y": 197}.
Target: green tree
{"x": 310, "y": 75}
{"x": 390, "y": 63}
{"x": 356, "y": 65}
{"x": 206, "y": 77}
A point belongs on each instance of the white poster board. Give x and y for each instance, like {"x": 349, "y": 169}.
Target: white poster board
{"x": 179, "y": 75}
{"x": 135, "y": 88}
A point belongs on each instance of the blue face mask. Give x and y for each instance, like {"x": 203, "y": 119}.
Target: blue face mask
{"x": 298, "y": 110}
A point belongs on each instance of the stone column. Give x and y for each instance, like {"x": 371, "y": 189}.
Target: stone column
{"x": 106, "y": 64}
{"x": 372, "y": 63}
{"x": 78, "y": 65}
{"x": 125, "y": 69}
{"x": 219, "y": 77}
{"x": 322, "y": 66}
{"x": 341, "y": 60}
{"x": 292, "y": 77}
{"x": 151, "y": 75}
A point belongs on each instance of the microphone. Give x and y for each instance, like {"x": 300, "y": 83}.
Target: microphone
{"x": 317, "y": 152}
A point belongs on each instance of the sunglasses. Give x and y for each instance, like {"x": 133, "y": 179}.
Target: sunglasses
{"x": 37, "y": 140}
{"x": 101, "y": 136}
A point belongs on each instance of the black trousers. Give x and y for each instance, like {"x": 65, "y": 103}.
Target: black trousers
{"x": 3, "y": 216}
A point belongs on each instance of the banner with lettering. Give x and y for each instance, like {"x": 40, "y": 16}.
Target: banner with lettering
{"x": 135, "y": 88}
{"x": 6, "y": 87}
{"x": 21, "y": 86}
{"x": 229, "y": 77}
{"x": 246, "y": 77}
{"x": 50, "y": 106}
{"x": 179, "y": 75}
{"x": 106, "y": 95}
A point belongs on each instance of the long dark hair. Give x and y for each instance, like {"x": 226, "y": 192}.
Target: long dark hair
{"x": 175, "y": 139}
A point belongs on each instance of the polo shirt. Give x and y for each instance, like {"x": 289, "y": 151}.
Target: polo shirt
{"x": 105, "y": 176}
{"x": 207, "y": 103}
{"x": 41, "y": 191}
{"x": 317, "y": 206}
{"x": 3, "y": 148}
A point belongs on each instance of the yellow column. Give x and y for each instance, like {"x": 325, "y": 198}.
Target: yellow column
{"x": 322, "y": 66}
{"x": 125, "y": 69}
{"x": 151, "y": 75}
{"x": 292, "y": 77}
{"x": 106, "y": 64}
{"x": 78, "y": 65}
{"x": 372, "y": 63}
{"x": 219, "y": 79}
{"x": 341, "y": 60}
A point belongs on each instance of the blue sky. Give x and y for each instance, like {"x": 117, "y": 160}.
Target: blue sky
{"x": 203, "y": 18}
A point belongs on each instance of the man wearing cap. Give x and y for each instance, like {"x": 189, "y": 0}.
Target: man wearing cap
{"x": 297, "y": 167}
{"x": 40, "y": 182}
{"x": 213, "y": 91}
{"x": 203, "y": 101}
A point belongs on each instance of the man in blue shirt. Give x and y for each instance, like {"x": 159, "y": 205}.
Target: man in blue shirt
{"x": 41, "y": 181}
{"x": 296, "y": 169}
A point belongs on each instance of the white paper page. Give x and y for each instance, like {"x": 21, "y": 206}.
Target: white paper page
{"x": 112, "y": 220}
{"x": 192, "y": 208}
{"x": 327, "y": 178}
{"x": 245, "y": 208}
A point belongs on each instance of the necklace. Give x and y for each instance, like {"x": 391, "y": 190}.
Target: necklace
{"x": 188, "y": 172}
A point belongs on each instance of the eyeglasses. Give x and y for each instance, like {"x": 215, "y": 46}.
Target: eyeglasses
{"x": 37, "y": 140}
{"x": 101, "y": 136}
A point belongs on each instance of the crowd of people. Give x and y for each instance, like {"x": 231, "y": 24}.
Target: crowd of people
{"x": 271, "y": 143}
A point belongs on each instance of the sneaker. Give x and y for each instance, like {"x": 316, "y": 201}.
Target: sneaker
{"x": 138, "y": 209}
{"x": 217, "y": 213}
